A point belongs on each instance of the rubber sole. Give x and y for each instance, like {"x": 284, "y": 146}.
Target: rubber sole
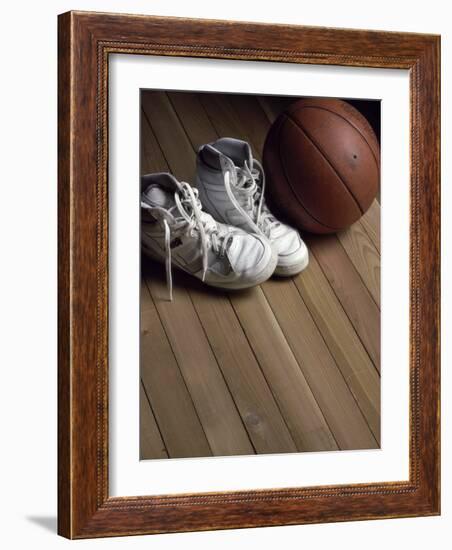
{"x": 260, "y": 278}
{"x": 263, "y": 276}
{"x": 291, "y": 270}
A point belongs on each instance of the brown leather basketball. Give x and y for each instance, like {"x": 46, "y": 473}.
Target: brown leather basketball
{"x": 322, "y": 165}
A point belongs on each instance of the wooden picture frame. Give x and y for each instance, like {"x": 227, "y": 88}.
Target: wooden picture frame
{"x": 85, "y": 42}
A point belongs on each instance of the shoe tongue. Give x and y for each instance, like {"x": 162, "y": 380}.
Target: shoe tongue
{"x": 158, "y": 196}
{"x": 236, "y": 149}
{"x": 247, "y": 155}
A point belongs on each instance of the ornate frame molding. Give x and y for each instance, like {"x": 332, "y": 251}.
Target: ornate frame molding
{"x": 85, "y": 42}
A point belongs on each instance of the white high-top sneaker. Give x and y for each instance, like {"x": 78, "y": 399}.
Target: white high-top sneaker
{"x": 231, "y": 187}
{"x": 175, "y": 230}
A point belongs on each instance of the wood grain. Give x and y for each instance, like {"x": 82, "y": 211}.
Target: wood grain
{"x": 343, "y": 342}
{"x": 254, "y": 399}
{"x": 281, "y": 369}
{"x": 65, "y": 297}
{"x": 177, "y": 148}
{"x": 198, "y": 127}
{"x": 225, "y": 121}
{"x": 364, "y": 257}
{"x": 215, "y": 407}
{"x": 85, "y": 508}
{"x": 165, "y": 386}
{"x": 151, "y": 442}
{"x": 251, "y": 116}
{"x": 151, "y": 156}
{"x": 350, "y": 290}
{"x": 337, "y": 403}
{"x": 371, "y": 223}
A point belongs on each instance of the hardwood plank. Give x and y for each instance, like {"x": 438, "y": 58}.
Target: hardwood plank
{"x": 330, "y": 390}
{"x": 215, "y": 407}
{"x": 175, "y": 145}
{"x": 342, "y": 340}
{"x": 364, "y": 257}
{"x": 251, "y": 116}
{"x": 151, "y": 442}
{"x": 296, "y": 401}
{"x": 350, "y": 290}
{"x": 247, "y": 384}
{"x": 151, "y": 157}
{"x": 371, "y": 223}
{"x": 224, "y": 119}
{"x": 191, "y": 115}
{"x": 173, "y": 407}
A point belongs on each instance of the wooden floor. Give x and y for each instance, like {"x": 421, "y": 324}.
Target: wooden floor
{"x": 292, "y": 365}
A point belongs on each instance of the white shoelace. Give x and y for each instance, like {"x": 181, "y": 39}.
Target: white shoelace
{"x": 251, "y": 193}
{"x": 189, "y": 207}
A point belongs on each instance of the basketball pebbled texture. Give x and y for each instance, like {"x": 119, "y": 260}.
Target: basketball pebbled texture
{"x": 322, "y": 164}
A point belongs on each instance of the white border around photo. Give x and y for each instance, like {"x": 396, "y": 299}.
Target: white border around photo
{"x": 129, "y": 475}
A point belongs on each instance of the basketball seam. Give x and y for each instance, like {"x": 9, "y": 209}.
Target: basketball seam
{"x": 293, "y": 190}
{"x": 346, "y": 120}
{"x": 317, "y": 146}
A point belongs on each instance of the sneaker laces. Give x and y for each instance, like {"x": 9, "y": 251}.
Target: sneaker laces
{"x": 251, "y": 192}
{"x": 189, "y": 207}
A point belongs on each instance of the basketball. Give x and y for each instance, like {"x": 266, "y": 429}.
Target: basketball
{"x": 322, "y": 165}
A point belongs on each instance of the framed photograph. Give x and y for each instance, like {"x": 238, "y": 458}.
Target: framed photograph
{"x": 248, "y": 275}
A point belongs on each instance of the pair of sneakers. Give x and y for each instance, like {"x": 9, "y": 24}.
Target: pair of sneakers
{"x": 222, "y": 231}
